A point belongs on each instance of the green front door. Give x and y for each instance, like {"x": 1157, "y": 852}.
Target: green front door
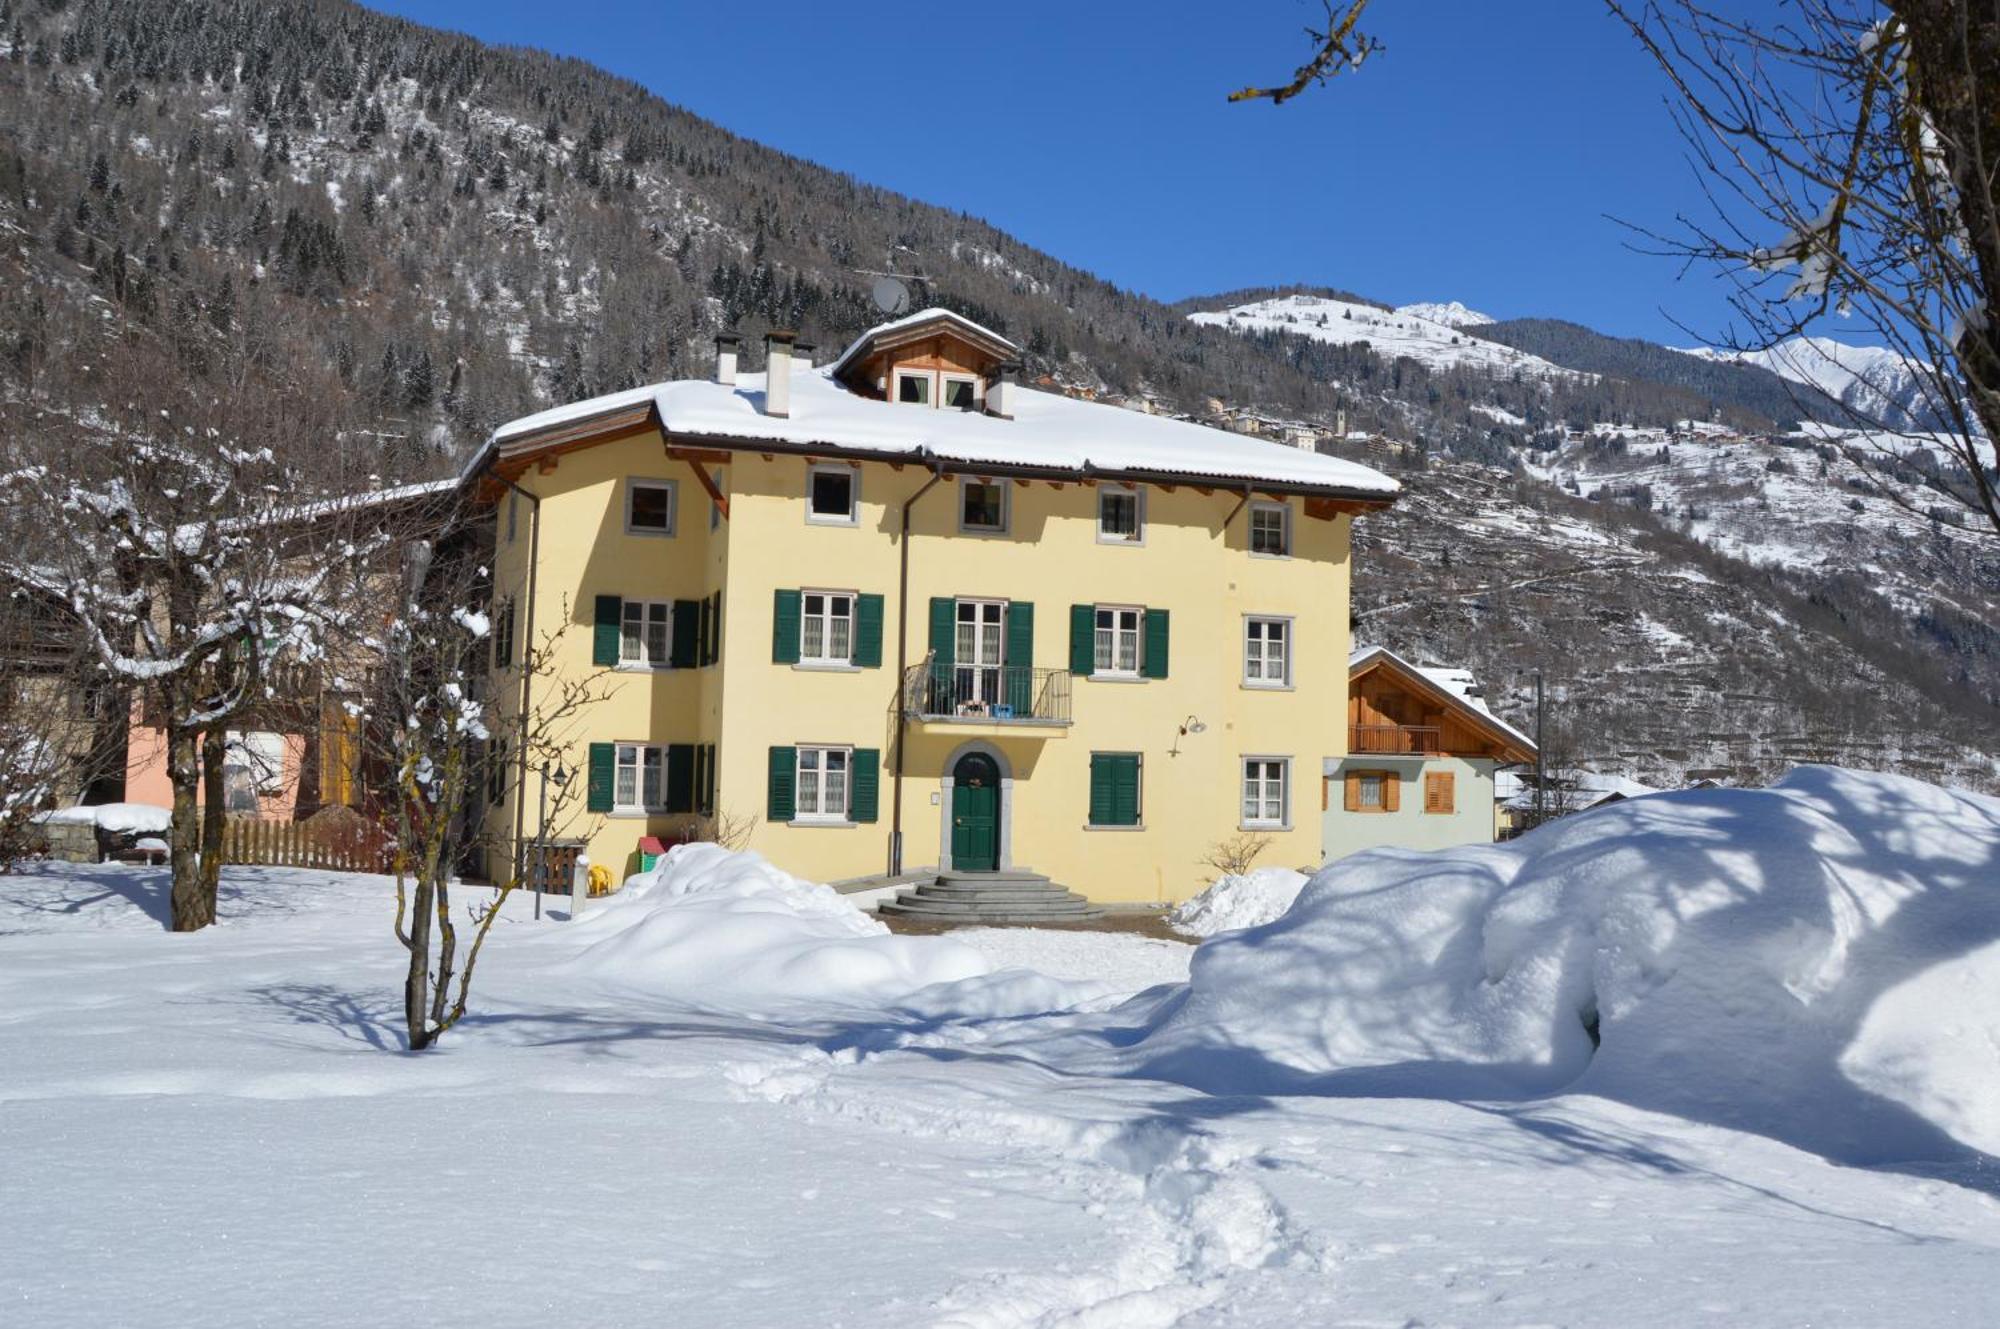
{"x": 975, "y": 814}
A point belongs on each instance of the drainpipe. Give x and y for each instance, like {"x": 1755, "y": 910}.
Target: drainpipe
{"x": 902, "y": 667}
{"x": 527, "y": 682}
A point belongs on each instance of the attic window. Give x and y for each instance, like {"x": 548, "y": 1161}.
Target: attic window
{"x": 830, "y": 495}
{"x": 914, "y": 389}
{"x": 961, "y": 393}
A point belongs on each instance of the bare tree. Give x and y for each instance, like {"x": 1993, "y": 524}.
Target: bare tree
{"x": 155, "y": 523}
{"x": 432, "y": 723}
{"x": 724, "y": 827}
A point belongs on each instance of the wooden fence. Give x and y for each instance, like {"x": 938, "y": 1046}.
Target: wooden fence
{"x": 345, "y": 845}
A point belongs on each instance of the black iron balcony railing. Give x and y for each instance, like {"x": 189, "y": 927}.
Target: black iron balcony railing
{"x": 1000, "y": 694}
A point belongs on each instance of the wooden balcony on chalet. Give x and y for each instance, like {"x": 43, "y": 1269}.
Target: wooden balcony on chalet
{"x": 1395, "y": 739}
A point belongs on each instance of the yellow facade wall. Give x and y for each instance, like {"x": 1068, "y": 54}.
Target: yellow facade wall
{"x": 1189, "y": 564}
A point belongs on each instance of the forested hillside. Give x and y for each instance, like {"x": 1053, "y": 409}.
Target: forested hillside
{"x": 402, "y": 237}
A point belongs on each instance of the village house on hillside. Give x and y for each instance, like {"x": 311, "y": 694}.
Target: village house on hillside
{"x": 1423, "y": 753}
{"x": 913, "y": 617}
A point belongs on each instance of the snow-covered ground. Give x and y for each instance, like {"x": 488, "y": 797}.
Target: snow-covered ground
{"x": 218, "y": 1129}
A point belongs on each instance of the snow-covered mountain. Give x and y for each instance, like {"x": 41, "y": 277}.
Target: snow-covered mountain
{"x": 1874, "y": 381}
{"x": 1451, "y": 313}
{"x": 1420, "y": 336}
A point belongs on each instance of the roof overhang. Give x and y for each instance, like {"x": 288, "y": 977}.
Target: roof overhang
{"x": 1514, "y": 746}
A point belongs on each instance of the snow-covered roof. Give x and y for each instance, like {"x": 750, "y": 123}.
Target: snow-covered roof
{"x": 1048, "y": 432}
{"x": 1458, "y": 683}
{"x": 886, "y": 331}
{"x": 1586, "y": 788}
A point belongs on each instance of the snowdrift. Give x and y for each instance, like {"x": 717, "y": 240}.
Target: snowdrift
{"x": 1238, "y": 900}
{"x": 729, "y": 931}
{"x": 1817, "y": 962}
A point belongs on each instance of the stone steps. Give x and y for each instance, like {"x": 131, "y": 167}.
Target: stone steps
{"x": 1016, "y": 896}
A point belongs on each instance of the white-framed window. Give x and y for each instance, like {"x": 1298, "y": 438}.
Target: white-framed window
{"x": 1121, "y": 515}
{"x": 1117, "y": 649}
{"x": 1271, "y": 529}
{"x": 643, "y": 634}
{"x": 826, "y": 627}
{"x": 913, "y": 387}
{"x": 960, "y": 392}
{"x": 823, "y": 785}
{"x": 1267, "y": 652}
{"x": 650, "y": 507}
{"x": 639, "y": 782}
{"x": 1266, "y": 789}
{"x": 982, "y": 505}
{"x": 1371, "y": 791}
{"x": 833, "y": 495}
{"x": 253, "y": 763}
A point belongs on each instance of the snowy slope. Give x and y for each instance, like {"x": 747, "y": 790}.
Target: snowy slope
{"x": 1391, "y": 333}
{"x": 1451, "y": 313}
{"x": 1874, "y": 381}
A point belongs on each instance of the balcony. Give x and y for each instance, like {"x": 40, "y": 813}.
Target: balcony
{"x": 1400, "y": 740}
{"x": 989, "y": 698}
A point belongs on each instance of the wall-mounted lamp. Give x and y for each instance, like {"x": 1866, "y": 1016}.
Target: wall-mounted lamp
{"x": 1191, "y": 725}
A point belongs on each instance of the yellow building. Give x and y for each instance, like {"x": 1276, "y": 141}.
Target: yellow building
{"x": 911, "y": 617}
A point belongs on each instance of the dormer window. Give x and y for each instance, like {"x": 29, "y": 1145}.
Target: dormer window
{"x": 961, "y": 392}
{"x": 913, "y": 388}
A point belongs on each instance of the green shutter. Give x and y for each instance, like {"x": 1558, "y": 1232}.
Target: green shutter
{"x": 714, "y": 637}
{"x": 868, "y": 631}
{"x": 785, "y": 628}
{"x": 784, "y": 780}
{"x": 687, "y": 634}
{"x": 680, "y": 777}
{"x": 1100, "y": 789}
{"x": 603, "y": 768}
{"x": 1083, "y": 640}
{"x": 944, "y": 629}
{"x": 604, "y": 640}
{"x": 1018, "y": 678}
{"x": 707, "y": 623}
{"x": 705, "y": 784}
{"x": 867, "y": 783}
{"x": 1154, "y": 664}
{"x": 1125, "y": 791}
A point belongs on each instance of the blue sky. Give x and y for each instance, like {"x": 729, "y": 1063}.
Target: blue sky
{"x": 1480, "y": 157}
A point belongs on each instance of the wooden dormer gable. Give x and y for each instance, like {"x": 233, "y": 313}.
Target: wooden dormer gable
{"x": 1385, "y": 694}
{"x": 936, "y": 352}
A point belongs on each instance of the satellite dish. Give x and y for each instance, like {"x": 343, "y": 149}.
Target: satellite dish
{"x": 891, "y": 296}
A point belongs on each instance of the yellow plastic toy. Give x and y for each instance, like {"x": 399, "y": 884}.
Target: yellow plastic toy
{"x": 600, "y": 879}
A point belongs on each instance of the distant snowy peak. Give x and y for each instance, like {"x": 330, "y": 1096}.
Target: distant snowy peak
{"x": 1874, "y": 381}
{"x": 1452, "y": 314}
{"x": 1391, "y": 333}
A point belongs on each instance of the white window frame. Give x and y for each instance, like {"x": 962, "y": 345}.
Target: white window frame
{"x": 1112, "y": 670}
{"x": 638, "y": 806}
{"x": 1138, "y": 496}
{"x": 819, "y": 815}
{"x": 1381, "y": 779}
{"x": 633, "y": 485}
{"x": 944, "y": 381}
{"x": 1006, "y": 506}
{"x": 643, "y": 661}
{"x": 826, "y": 617}
{"x": 1243, "y": 783}
{"x": 1284, "y": 511}
{"x": 853, "y": 475}
{"x": 253, "y": 761}
{"x": 929, "y": 377}
{"x": 1261, "y": 654}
